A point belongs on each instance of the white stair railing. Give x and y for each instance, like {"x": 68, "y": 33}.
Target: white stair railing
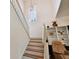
{"x": 44, "y": 37}
{"x": 46, "y": 51}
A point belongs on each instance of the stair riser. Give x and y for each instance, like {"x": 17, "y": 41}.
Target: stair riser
{"x": 37, "y": 46}
{"x": 41, "y": 51}
{"x": 36, "y": 41}
{"x": 32, "y": 56}
{"x": 35, "y": 49}
{"x": 34, "y": 53}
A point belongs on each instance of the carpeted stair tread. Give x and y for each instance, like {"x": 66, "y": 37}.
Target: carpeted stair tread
{"x": 32, "y": 56}
{"x": 33, "y": 48}
{"x": 35, "y": 44}
{"x": 37, "y": 41}
{"x": 32, "y": 53}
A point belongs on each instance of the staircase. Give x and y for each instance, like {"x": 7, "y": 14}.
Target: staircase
{"x": 35, "y": 49}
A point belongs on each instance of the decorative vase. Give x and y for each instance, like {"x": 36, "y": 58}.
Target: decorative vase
{"x": 54, "y": 24}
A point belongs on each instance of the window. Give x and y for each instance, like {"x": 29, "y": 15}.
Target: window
{"x": 32, "y": 14}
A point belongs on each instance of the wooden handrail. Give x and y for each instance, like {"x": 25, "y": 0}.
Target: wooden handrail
{"x": 21, "y": 11}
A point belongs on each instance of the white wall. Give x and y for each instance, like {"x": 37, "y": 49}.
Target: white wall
{"x": 55, "y": 6}
{"x": 63, "y": 9}
{"x": 19, "y": 38}
{"x": 62, "y": 16}
{"x": 63, "y": 21}
{"x": 46, "y": 12}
